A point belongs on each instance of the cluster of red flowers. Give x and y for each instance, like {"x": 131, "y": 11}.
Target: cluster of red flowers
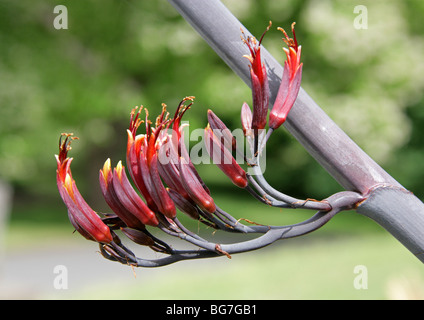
{"x": 289, "y": 87}
{"x": 159, "y": 165}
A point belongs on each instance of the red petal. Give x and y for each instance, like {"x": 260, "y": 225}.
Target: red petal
{"x": 168, "y": 168}
{"x": 130, "y": 199}
{"x": 155, "y": 186}
{"x": 195, "y": 188}
{"x": 259, "y": 109}
{"x": 84, "y": 216}
{"x": 106, "y": 185}
{"x": 224, "y": 159}
{"x": 286, "y": 98}
{"x": 163, "y": 200}
{"x": 221, "y": 130}
{"x": 134, "y": 168}
{"x": 184, "y": 205}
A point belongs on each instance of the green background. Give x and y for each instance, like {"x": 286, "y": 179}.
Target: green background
{"x": 119, "y": 54}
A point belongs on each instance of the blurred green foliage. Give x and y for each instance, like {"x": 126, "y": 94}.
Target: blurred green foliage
{"x": 117, "y": 54}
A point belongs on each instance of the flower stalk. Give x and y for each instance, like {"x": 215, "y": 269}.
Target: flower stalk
{"x": 167, "y": 182}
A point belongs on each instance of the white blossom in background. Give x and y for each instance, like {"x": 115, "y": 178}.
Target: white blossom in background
{"x": 385, "y": 62}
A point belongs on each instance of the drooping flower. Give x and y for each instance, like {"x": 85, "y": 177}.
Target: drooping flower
{"x": 224, "y": 159}
{"x": 290, "y": 82}
{"x": 184, "y": 204}
{"x": 194, "y": 185}
{"x": 84, "y": 219}
{"x": 259, "y": 79}
{"x": 220, "y": 129}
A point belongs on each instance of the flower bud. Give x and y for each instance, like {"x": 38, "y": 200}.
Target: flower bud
{"x": 223, "y": 158}
{"x": 221, "y": 130}
{"x": 184, "y": 205}
{"x": 195, "y": 187}
{"x": 246, "y": 119}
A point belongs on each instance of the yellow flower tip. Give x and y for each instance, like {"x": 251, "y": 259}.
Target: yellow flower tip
{"x": 130, "y": 135}
{"x": 106, "y": 166}
{"x": 68, "y": 185}
{"x": 293, "y": 51}
{"x": 119, "y": 169}
{"x": 248, "y": 57}
{"x": 106, "y": 170}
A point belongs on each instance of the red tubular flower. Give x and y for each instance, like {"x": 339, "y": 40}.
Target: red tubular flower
{"x": 123, "y": 199}
{"x": 138, "y": 237}
{"x": 192, "y": 182}
{"x": 186, "y": 188}
{"x": 168, "y": 167}
{"x": 290, "y": 83}
{"x": 184, "y": 205}
{"x": 168, "y": 152}
{"x": 219, "y": 128}
{"x": 195, "y": 189}
{"x": 142, "y": 161}
{"x": 134, "y": 145}
{"x": 259, "y": 78}
{"x": 81, "y": 215}
{"x": 155, "y": 186}
{"x": 148, "y": 161}
{"x": 223, "y": 158}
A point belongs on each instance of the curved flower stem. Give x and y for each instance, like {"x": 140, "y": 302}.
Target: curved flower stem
{"x": 185, "y": 230}
{"x": 237, "y": 226}
{"x": 265, "y": 198}
{"x": 218, "y": 221}
{"x": 270, "y": 195}
{"x": 214, "y": 250}
{"x": 268, "y": 134}
{"x": 339, "y": 201}
{"x": 292, "y": 202}
{"x": 161, "y": 245}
